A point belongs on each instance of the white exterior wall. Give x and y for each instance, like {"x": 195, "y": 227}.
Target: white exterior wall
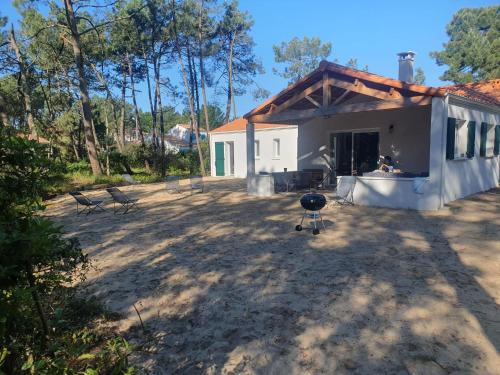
{"x": 408, "y": 144}
{"x": 266, "y": 162}
{"x": 468, "y": 176}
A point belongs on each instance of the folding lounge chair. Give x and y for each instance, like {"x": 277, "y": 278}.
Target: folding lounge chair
{"x": 196, "y": 183}
{"x": 345, "y": 190}
{"x": 82, "y": 200}
{"x": 121, "y": 198}
{"x": 173, "y": 184}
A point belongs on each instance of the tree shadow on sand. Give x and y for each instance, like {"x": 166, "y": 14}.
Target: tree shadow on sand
{"x": 225, "y": 285}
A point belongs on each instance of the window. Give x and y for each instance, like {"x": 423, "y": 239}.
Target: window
{"x": 276, "y": 148}
{"x": 257, "y": 149}
{"x": 461, "y": 138}
{"x": 488, "y": 140}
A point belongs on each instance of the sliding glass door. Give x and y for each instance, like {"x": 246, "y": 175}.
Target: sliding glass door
{"x": 354, "y": 152}
{"x": 365, "y": 152}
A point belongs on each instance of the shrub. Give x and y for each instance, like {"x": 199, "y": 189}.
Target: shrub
{"x": 81, "y": 166}
{"x": 36, "y": 262}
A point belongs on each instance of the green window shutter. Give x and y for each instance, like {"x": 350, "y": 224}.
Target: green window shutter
{"x": 496, "y": 150}
{"x": 471, "y": 139}
{"x": 484, "y": 133}
{"x": 450, "y": 138}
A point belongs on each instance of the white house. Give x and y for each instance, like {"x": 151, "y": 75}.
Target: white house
{"x": 445, "y": 141}
{"x": 275, "y": 148}
{"x": 183, "y": 132}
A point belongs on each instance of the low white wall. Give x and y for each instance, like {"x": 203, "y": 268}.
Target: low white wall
{"x": 391, "y": 193}
{"x": 465, "y": 177}
{"x": 266, "y": 162}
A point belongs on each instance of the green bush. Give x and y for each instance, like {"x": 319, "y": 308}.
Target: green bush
{"x": 36, "y": 264}
{"x": 81, "y": 166}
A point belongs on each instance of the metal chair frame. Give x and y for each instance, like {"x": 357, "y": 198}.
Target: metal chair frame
{"x": 89, "y": 204}
{"x": 173, "y": 184}
{"x": 348, "y": 199}
{"x": 121, "y": 198}
{"x": 196, "y": 183}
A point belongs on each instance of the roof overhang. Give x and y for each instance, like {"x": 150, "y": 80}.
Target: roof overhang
{"x": 334, "y": 89}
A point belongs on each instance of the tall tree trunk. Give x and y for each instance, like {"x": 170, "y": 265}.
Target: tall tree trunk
{"x": 25, "y": 84}
{"x": 162, "y": 120}
{"x": 121, "y": 127}
{"x": 191, "y": 84}
{"x": 202, "y": 70}
{"x": 186, "y": 86}
{"x": 196, "y": 96}
{"x": 109, "y": 95}
{"x": 229, "y": 80}
{"x": 151, "y": 105}
{"x": 90, "y": 141}
{"x": 202, "y": 83}
{"x": 74, "y": 144}
{"x": 138, "y": 127}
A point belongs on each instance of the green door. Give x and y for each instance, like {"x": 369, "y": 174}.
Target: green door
{"x": 219, "y": 158}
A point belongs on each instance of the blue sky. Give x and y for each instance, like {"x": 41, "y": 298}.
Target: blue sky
{"x": 369, "y": 30}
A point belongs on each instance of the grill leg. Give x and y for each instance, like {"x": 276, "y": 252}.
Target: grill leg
{"x": 321, "y": 218}
{"x": 314, "y": 218}
{"x": 303, "y": 216}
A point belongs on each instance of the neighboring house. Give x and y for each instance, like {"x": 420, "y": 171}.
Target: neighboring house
{"x": 444, "y": 140}
{"x": 183, "y": 132}
{"x": 275, "y": 148}
{"x": 175, "y": 145}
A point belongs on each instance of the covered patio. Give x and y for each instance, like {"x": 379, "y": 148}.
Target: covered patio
{"x": 347, "y": 119}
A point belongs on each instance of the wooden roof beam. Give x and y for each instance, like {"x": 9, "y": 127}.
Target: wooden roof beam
{"x": 297, "y": 97}
{"x": 341, "y": 97}
{"x": 327, "y": 91}
{"x": 313, "y": 101}
{"x": 307, "y": 114}
{"x": 360, "y": 88}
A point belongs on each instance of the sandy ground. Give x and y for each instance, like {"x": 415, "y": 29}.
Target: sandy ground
{"x": 225, "y": 284}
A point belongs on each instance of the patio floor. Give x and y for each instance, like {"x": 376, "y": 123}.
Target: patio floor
{"x": 225, "y": 284}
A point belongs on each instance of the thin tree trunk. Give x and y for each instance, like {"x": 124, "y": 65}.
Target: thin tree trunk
{"x": 25, "y": 85}
{"x": 202, "y": 71}
{"x": 196, "y": 96}
{"x": 74, "y": 144}
{"x": 90, "y": 141}
{"x": 229, "y": 81}
{"x": 151, "y": 105}
{"x": 191, "y": 83}
{"x": 138, "y": 127}
{"x": 186, "y": 86}
{"x": 162, "y": 120}
{"x": 109, "y": 95}
{"x": 121, "y": 127}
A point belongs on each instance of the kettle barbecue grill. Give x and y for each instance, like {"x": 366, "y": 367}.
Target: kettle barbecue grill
{"x": 312, "y": 204}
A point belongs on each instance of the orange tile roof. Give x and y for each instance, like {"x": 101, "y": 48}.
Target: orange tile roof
{"x": 483, "y": 91}
{"x": 240, "y": 124}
